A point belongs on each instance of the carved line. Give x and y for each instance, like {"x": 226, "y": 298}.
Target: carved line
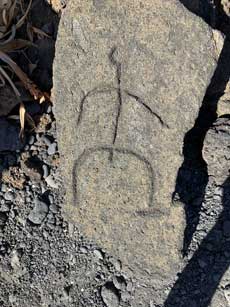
{"x": 114, "y": 89}
{"x": 93, "y": 92}
{"x": 138, "y": 100}
{"x": 86, "y": 153}
{"x": 120, "y": 102}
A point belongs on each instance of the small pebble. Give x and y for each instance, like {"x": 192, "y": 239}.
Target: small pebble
{"x": 119, "y": 282}
{"x": 129, "y": 286}
{"x": 31, "y": 140}
{"x": 33, "y": 147}
{"x": 50, "y": 181}
{"x": 3, "y": 188}
{"x": 38, "y": 137}
{"x": 110, "y": 296}
{"x": 54, "y": 208}
{"x": 116, "y": 263}
{"x": 98, "y": 254}
{"x": 39, "y": 212}
{"x": 125, "y": 296}
{"x": 52, "y": 149}
{"x": 9, "y": 196}
{"x": 46, "y": 140}
{"x": 51, "y": 199}
{"x": 45, "y": 170}
{"x": 83, "y": 250}
{"x": 5, "y": 208}
{"x": 49, "y": 109}
{"x": 28, "y": 199}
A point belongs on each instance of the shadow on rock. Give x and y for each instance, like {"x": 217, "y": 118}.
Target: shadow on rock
{"x": 197, "y": 286}
{"x": 192, "y": 176}
{"x": 199, "y": 280}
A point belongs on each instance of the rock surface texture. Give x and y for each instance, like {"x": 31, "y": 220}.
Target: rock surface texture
{"x": 129, "y": 79}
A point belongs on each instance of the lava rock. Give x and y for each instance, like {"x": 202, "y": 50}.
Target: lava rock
{"x": 45, "y": 170}
{"x": 98, "y": 254}
{"x": 110, "y": 295}
{"x": 31, "y": 140}
{"x": 9, "y": 196}
{"x": 39, "y": 212}
{"x": 52, "y": 149}
{"x": 51, "y": 182}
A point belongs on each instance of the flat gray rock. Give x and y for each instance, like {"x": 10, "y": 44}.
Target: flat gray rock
{"x": 38, "y": 213}
{"x": 129, "y": 79}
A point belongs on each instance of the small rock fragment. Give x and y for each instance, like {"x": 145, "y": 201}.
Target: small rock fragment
{"x": 3, "y": 187}
{"x": 45, "y": 170}
{"x": 31, "y": 140}
{"x": 98, "y": 254}
{"x": 52, "y": 149}
{"x": 226, "y": 6}
{"x": 83, "y": 250}
{"x": 116, "y": 263}
{"x": 3, "y": 218}
{"x": 125, "y": 296}
{"x": 5, "y": 208}
{"x": 38, "y": 213}
{"x": 9, "y": 196}
{"x": 119, "y": 282}
{"x": 110, "y": 295}
{"x": 130, "y": 286}
{"x": 15, "y": 262}
{"x": 50, "y": 181}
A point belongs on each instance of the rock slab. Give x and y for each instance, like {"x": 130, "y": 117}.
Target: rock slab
{"x": 129, "y": 79}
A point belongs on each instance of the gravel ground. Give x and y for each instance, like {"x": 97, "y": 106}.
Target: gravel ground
{"x": 44, "y": 261}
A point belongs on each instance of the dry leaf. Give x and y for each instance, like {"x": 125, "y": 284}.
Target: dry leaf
{"x": 15, "y": 45}
{"x": 20, "y": 21}
{"x": 28, "y": 84}
{"x": 30, "y": 31}
{"x": 30, "y": 121}
{"x": 5, "y": 76}
{"x": 40, "y": 33}
{"x": 22, "y": 113}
